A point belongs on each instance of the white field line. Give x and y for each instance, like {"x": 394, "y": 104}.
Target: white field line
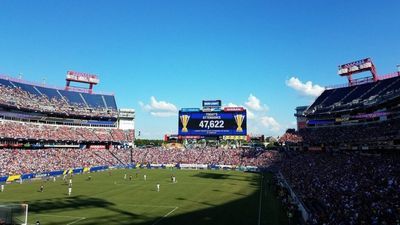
{"x": 260, "y": 204}
{"x": 152, "y": 206}
{"x": 78, "y": 219}
{"x": 165, "y": 216}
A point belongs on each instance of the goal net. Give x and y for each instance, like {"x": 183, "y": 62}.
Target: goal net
{"x": 13, "y": 214}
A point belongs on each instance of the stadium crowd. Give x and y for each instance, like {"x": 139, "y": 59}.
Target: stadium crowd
{"x": 209, "y": 156}
{"x": 20, "y": 130}
{"x": 18, "y": 98}
{"x": 367, "y": 132}
{"x": 290, "y": 137}
{"x": 346, "y": 188}
{"x": 16, "y": 161}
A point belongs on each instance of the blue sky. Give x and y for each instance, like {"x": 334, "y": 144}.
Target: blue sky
{"x": 181, "y": 52}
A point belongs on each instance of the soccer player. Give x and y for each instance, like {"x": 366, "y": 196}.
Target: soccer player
{"x": 158, "y": 187}
{"x": 130, "y": 177}
{"x": 2, "y": 188}
{"x": 54, "y": 179}
{"x": 174, "y": 179}
{"x": 41, "y": 188}
{"x": 89, "y": 178}
{"x": 69, "y": 191}
{"x": 145, "y": 177}
{"x": 125, "y": 176}
{"x": 70, "y": 182}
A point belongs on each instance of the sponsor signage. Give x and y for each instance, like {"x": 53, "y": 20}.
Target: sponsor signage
{"x": 233, "y": 109}
{"x": 212, "y": 104}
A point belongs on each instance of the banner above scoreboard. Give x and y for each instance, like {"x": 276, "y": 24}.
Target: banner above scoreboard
{"x": 212, "y": 104}
{"x": 212, "y": 123}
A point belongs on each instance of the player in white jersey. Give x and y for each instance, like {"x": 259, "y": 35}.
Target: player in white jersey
{"x": 125, "y": 176}
{"x": 70, "y": 182}
{"x": 2, "y": 188}
{"x": 158, "y": 187}
{"x": 69, "y": 191}
{"x": 145, "y": 177}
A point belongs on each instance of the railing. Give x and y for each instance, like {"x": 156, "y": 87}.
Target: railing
{"x": 388, "y": 76}
{"x": 363, "y": 81}
{"x": 305, "y": 212}
{"x": 72, "y": 89}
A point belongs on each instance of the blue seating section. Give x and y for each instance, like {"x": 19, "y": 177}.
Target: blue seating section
{"x": 51, "y": 93}
{"x": 26, "y": 87}
{"x": 6, "y": 83}
{"x": 342, "y": 98}
{"x": 110, "y": 101}
{"x": 92, "y": 100}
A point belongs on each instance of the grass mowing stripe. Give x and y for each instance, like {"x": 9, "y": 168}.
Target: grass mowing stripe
{"x": 199, "y": 197}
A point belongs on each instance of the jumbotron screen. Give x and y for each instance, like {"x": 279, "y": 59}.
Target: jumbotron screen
{"x": 212, "y": 123}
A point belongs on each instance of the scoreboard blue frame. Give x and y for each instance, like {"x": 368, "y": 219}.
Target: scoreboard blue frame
{"x": 212, "y": 123}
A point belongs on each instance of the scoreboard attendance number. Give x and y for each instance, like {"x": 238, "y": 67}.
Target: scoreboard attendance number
{"x": 212, "y": 124}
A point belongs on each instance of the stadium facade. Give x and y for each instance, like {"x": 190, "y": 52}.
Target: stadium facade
{"x": 360, "y": 115}
{"x": 34, "y": 115}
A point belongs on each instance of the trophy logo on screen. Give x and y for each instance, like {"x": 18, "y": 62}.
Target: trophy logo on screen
{"x": 185, "y": 120}
{"x": 239, "y": 122}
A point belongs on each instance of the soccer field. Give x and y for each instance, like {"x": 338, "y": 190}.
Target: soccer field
{"x": 198, "y": 197}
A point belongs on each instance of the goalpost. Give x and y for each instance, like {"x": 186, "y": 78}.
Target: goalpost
{"x": 14, "y": 214}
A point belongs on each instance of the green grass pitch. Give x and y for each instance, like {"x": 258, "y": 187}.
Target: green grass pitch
{"x": 199, "y": 197}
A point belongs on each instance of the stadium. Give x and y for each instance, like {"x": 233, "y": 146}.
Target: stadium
{"x": 52, "y": 137}
{"x": 199, "y": 112}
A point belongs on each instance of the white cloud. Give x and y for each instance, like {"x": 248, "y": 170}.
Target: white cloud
{"x": 307, "y": 88}
{"x": 232, "y": 105}
{"x": 159, "y": 108}
{"x": 163, "y": 114}
{"x": 250, "y": 114}
{"x": 258, "y": 120}
{"x": 254, "y": 103}
{"x": 270, "y": 123}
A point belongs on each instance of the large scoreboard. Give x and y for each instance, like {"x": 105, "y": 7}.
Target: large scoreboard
{"x": 212, "y": 123}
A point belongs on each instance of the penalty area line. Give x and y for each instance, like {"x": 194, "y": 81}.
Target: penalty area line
{"x": 165, "y": 216}
{"x": 77, "y": 218}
